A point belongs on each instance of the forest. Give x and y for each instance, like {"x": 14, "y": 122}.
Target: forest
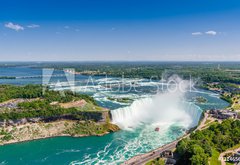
{"x": 226, "y": 72}
{"x": 197, "y": 149}
{"x": 40, "y": 107}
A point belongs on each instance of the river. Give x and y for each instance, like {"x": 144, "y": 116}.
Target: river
{"x": 138, "y": 117}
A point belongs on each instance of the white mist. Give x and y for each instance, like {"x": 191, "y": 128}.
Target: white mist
{"x": 164, "y": 108}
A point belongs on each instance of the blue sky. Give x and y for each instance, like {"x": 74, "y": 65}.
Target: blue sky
{"x": 125, "y": 30}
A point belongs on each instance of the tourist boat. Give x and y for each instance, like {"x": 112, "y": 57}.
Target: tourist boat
{"x": 157, "y": 129}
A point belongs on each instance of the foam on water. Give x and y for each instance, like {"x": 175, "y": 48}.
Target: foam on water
{"x": 123, "y": 147}
{"x": 166, "y": 107}
{"x": 145, "y": 111}
{"x": 168, "y": 111}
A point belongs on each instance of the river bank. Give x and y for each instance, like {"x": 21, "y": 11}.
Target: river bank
{"x": 153, "y": 154}
{"x": 34, "y": 131}
{"x": 114, "y": 147}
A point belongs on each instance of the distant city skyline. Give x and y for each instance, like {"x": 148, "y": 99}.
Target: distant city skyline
{"x": 119, "y": 30}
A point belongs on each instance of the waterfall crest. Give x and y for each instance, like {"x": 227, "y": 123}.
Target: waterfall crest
{"x": 144, "y": 111}
{"x": 168, "y": 107}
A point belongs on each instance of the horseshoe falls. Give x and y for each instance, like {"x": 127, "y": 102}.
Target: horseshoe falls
{"x": 162, "y": 108}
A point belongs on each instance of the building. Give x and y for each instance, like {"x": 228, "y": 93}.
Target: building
{"x": 167, "y": 154}
{"x": 223, "y": 114}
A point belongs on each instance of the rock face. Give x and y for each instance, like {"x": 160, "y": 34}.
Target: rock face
{"x": 101, "y": 116}
{"x": 113, "y": 128}
{"x": 36, "y": 128}
{"x": 95, "y": 116}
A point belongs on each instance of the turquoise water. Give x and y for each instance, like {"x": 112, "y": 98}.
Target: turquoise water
{"x": 87, "y": 150}
{"x": 109, "y": 149}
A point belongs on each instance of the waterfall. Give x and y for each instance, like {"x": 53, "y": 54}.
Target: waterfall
{"x": 194, "y": 111}
{"x": 146, "y": 111}
{"x": 165, "y": 108}
{"x": 132, "y": 115}
{"x": 150, "y": 111}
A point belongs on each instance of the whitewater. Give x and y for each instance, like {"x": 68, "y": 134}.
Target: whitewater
{"x": 169, "y": 111}
{"x": 163, "y": 108}
{"x": 174, "y": 112}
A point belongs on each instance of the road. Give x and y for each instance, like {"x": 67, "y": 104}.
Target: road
{"x": 142, "y": 159}
{"x": 221, "y": 156}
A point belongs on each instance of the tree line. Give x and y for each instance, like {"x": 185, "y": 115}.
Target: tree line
{"x": 199, "y": 147}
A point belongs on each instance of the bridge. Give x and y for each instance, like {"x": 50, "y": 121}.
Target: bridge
{"x": 40, "y": 76}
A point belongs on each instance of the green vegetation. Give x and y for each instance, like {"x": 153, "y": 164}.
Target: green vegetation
{"x": 233, "y": 99}
{"x": 227, "y": 98}
{"x": 158, "y": 161}
{"x": 208, "y": 72}
{"x": 121, "y": 100}
{"x": 90, "y": 128}
{"x": 235, "y": 147}
{"x": 207, "y": 121}
{"x": 8, "y": 92}
{"x": 47, "y": 107}
{"x": 230, "y": 92}
{"x": 201, "y": 99}
{"x": 199, "y": 147}
{"x": 46, "y": 111}
{"x": 41, "y": 107}
{"x": 213, "y": 160}
{"x": 5, "y": 136}
{"x": 7, "y": 77}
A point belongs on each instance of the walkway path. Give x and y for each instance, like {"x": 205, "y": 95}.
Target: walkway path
{"x": 221, "y": 156}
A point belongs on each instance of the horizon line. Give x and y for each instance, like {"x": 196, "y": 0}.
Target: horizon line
{"x": 70, "y": 61}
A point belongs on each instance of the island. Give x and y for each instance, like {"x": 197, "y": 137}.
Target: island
{"x": 34, "y": 111}
{"x": 200, "y": 99}
{"x": 121, "y": 100}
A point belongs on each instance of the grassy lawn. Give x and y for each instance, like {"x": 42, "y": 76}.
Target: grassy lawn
{"x": 208, "y": 124}
{"x": 236, "y": 106}
{"x": 156, "y": 162}
{"x": 214, "y": 159}
{"x": 91, "y": 107}
{"x": 87, "y": 128}
{"x": 207, "y": 121}
{"x": 235, "y": 147}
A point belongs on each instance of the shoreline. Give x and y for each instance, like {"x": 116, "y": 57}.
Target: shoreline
{"x": 86, "y": 135}
{"x": 49, "y": 137}
{"x": 144, "y": 157}
{"x": 61, "y": 128}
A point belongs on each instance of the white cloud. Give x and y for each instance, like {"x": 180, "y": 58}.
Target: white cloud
{"x": 33, "y": 26}
{"x": 196, "y": 33}
{"x": 66, "y": 27}
{"x": 12, "y": 26}
{"x": 211, "y": 32}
